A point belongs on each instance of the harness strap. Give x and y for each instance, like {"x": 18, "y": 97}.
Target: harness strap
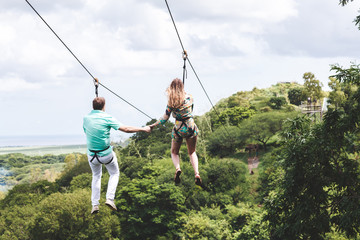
{"x": 182, "y": 119}
{"x": 95, "y": 156}
{"x": 192, "y": 131}
{"x": 176, "y": 130}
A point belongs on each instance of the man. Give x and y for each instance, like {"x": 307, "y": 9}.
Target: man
{"x": 97, "y": 125}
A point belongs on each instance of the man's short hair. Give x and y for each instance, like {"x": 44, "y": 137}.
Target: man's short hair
{"x": 98, "y": 103}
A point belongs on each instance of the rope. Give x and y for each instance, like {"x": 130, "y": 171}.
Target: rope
{"x": 95, "y": 80}
{"x": 187, "y": 57}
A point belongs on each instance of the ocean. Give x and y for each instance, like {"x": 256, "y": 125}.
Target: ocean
{"x": 42, "y": 140}
{"x": 54, "y": 140}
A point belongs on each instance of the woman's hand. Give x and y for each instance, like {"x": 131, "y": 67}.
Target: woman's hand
{"x": 147, "y": 129}
{"x": 154, "y": 125}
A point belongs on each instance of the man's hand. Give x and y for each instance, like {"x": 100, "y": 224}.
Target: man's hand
{"x": 147, "y": 129}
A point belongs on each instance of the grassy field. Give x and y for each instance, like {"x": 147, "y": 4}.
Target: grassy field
{"x": 43, "y": 150}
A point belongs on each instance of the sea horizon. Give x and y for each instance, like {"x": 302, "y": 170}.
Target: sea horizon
{"x": 50, "y": 140}
{"x": 41, "y": 140}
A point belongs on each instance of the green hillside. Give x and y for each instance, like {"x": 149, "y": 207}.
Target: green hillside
{"x": 269, "y": 171}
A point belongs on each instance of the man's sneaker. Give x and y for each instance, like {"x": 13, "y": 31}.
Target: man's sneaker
{"x": 95, "y": 209}
{"x": 111, "y": 204}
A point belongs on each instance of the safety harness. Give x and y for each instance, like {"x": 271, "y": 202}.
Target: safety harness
{"x": 191, "y": 131}
{"x": 183, "y": 122}
{"x": 97, "y": 157}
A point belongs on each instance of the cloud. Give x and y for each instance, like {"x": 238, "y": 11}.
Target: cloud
{"x": 321, "y": 29}
{"x": 15, "y": 84}
{"x": 132, "y": 47}
{"x": 217, "y": 11}
{"x": 41, "y": 5}
{"x": 226, "y": 28}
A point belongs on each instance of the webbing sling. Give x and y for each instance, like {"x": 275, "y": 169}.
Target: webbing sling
{"x": 97, "y": 157}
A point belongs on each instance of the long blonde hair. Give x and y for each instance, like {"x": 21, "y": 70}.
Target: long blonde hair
{"x": 176, "y": 93}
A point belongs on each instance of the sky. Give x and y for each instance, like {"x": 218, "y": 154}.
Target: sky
{"x": 131, "y": 46}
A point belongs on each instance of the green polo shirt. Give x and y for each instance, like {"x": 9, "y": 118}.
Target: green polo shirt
{"x": 97, "y": 125}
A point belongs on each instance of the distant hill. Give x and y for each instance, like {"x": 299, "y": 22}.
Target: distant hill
{"x": 257, "y": 98}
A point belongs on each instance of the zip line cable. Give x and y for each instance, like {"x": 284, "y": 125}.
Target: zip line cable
{"x": 187, "y": 57}
{"x": 96, "y": 82}
{"x": 177, "y": 32}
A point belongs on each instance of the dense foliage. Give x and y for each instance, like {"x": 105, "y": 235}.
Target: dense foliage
{"x": 20, "y": 160}
{"x": 319, "y": 185}
{"x": 21, "y": 169}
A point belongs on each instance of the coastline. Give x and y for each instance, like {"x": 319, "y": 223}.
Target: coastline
{"x": 44, "y": 149}
{"x": 33, "y": 145}
{"x": 41, "y": 140}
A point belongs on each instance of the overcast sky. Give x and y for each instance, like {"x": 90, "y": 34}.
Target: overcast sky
{"x": 132, "y": 47}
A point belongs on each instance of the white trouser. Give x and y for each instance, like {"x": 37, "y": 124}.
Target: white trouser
{"x": 96, "y": 168}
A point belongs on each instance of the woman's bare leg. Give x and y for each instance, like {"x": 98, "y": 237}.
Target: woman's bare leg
{"x": 175, "y": 147}
{"x": 191, "y": 146}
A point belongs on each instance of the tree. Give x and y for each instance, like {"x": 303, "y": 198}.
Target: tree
{"x": 224, "y": 141}
{"x": 25, "y": 194}
{"x": 200, "y": 226}
{"x": 247, "y": 222}
{"x": 295, "y": 96}
{"x": 15, "y": 222}
{"x": 82, "y": 181}
{"x": 149, "y": 209}
{"x": 226, "y": 181}
{"x": 238, "y": 99}
{"x": 294, "y": 212}
{"x": 357, "y": 19}
{"x": 77, "y": 164}
{"x": 234, "y": 115}
{"x": 337, "y": 95}
{"x": 67, "y": 216}
{"x": 263, "y": 126}
{"x": 35, "y": 175}
{"x": 277, "y": 102}
{"x": 242, "y": 221}
{"x": 312, "y": 86}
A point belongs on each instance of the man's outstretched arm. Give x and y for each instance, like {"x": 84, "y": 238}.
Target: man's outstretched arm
{"x": 131, "y": 129}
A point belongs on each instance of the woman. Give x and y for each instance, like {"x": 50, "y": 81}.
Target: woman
{"x": 180, "y": 104}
